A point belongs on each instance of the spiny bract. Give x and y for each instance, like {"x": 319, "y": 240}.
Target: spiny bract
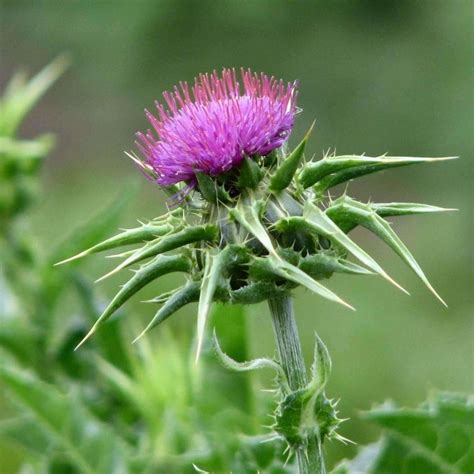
{"x": 253, "y": 221}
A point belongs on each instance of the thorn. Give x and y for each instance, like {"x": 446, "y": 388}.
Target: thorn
{"x": 107, "y": 275}
{"x": 86, "y": 337}
{"x": 347, "y": 305}
{"x": 435, "y": 293}
{"x": 140, "y": 336}
{"x": 198, "y": 351}
{"x": 393, "y": 282}
{"x": 270, "y": 439}
{"x": 343, "y": 440}
{"x": 70, "y": 259}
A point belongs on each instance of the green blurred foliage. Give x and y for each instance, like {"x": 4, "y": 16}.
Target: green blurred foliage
{"x": 378, "y": 77}
{"x": 435, "y": 437}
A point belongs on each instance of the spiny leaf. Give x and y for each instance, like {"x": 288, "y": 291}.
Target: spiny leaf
{"x": 435, "y": 438}
{"x": 255, "y": 364}
{"x": 307, "y": 412}
{"x": 288, "y": 204}
{"x": 316, "y": 221}
{"x": 321, "y": 368}
{"x": 250, "y": 174}
{"x": 334, "y": 170}
{"x": 159, "y": 266}
{"x": 247, "y": 214}
{"x": 256, "y": 292}
{"x": 321, "y": 265}
{"x": 348, "y": 210}
{"x": 205, "y": 233}
{"x": 388, "y": 209}
{"x": 292, "y": 273}
{"x": 210, "y": 189}
{"x": 128, "y": 237}
{"x": 21, "y": 96}
{"x": 285, "y": 172}
{"x": 181, "y": 297}
{"x": 345, "y": 266}
{"x": 213, "y": 269}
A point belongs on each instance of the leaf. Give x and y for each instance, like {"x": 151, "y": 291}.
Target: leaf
{"x": 138, "y": 235}
{"x": 435, "y": 438}
{"x": 230, "y": 321}
{"x": 27, "y": 433}
{"x": 213, "y": 269}
{"x": 90, "y": 445}
{"x": 250, "y": 174}
{"x": 307, "y": 412}
{"x": 292, "y": 273}
{"x": 322, "y": 365}
{"x": 316, "y": 221}
{"x": 365, "y": 461}
{"x": 352, "y": 212}
{"x": 334, "y": 170}
{"x": 24, "y": 150}
{"x": 189, "y": 235}
{"x": 246, "y": 366}
{"x": 285, "y": 172}
{"x": 160, "y": 266}
{"x": 321, "y": 265}
{"x": 247, "y": 214}
{"x": 20, "y": 96}
{"x": 181, "y": 297}
{"x": 210, "y": 189}
{"x": 404, "y": 208}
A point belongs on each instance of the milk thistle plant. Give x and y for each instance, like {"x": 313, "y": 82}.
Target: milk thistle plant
{"x": 250, "y": 221}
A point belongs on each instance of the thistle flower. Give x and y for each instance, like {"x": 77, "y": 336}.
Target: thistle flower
{"x": 260, "y": 224}
{"x": 212, "y": 126}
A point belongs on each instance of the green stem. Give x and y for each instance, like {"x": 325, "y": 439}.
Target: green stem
{"x": 310, "y": 458}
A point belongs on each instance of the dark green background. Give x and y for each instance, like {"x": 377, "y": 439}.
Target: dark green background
{"x": 377, "y": 76}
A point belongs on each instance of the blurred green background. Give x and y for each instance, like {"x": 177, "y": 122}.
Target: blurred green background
{"x": 378, "y": 77}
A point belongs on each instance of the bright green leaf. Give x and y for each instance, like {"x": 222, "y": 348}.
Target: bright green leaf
{"x": 90, "y": 445}
{"x": 189, "y": 235}
{"x": 246, "y": 366}
{"x": 334, "y": 170}
{"x": 287, "y": 169}
{"x": 347, "y": 211}
{"x": 436, "y": 438}
{"x": 21, "y": 96}
{"x": 388, "y": 209}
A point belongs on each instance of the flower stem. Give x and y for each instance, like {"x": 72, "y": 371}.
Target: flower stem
{"x": 310, "y": 459}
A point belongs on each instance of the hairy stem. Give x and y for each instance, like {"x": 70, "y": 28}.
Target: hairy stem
{"x": 310, "y": 459}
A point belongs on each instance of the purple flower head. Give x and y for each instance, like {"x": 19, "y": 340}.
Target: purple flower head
{"x": 210, "y": 127}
